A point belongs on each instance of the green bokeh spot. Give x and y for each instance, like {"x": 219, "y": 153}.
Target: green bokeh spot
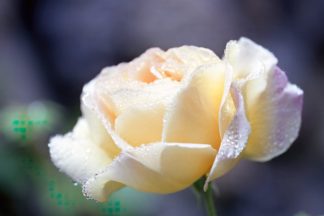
{"x": 15, "y": 122}
{"x": 59, "y": 196}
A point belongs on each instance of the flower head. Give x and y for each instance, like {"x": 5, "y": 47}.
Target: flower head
{"x": 165, "y": 119}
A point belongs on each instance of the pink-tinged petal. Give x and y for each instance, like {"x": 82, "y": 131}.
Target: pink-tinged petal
{"x": 140, "y": 68}
{"x": 274, "y": 115}
{"x": 181, "y": 61}
{"x": 234, "y": 139}
{"x": 76, "y": 154}
{"x": 158, "y": 167}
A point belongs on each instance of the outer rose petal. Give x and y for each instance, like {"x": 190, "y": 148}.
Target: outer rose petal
{"x": 248, "y": 59}
{"x": 99, "y": 122}
{"x": 193, "y": 116}
{"x": 76, "y": 154}
{"x": 157, "y": 167}
{"x": 100, "y": 107}
{"x": 273, "y": 105}
{"x": 275, "y": 117}
{"x": 234, "y": 139}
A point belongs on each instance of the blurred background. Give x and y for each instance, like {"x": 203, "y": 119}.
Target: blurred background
{"x": 50, "y": 48}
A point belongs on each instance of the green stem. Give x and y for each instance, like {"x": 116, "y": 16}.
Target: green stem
{"x": 207, "y": 196}
{"x": 209, "y": 201}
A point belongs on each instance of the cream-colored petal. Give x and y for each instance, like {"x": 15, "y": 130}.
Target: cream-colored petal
{"x": 141, "y": 125}
{"x": 192, "y": 55}
{"x": 234, "y": 139}
{"x": 248, "y": 59}
{"x": 158, "y": 167}
{"x": 100, "y": 118}
{"x": 98, "y": 133}
{"x": 193, "y": 115}
{"x": 141, "y": 110}
{"x": 116, "y": 105}
{"x": 76, "y": 154}
{"x": 273, "y": 105}
{"x": 227, "y": 109}
{"x": 274, "y": 115}
{"x": 94, "y": 98}
{"x": 127, "y": 95}
{"x": 183, "y": 60}
{"x": 141, "y": 68}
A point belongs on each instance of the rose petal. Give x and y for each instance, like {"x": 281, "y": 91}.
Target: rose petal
{"x": 183, "y": 60}
{"x": 156, "y": 64}
{"x": 140, "y": 68}
{"x": 273, "y": 105}
{"x": 141, "y": 118}
{"x": 248, "y": 59}
{"x": 76, "y": 154}
{"x": 275, "y": 117}
{"x": 100, "y": 118}
{"x": 158, "y": 167}
{"x": 234, "y": 139}
{"x": 192, "y": 55}
{"x": 193, "y": 116}
{"x": 141, "y": 125}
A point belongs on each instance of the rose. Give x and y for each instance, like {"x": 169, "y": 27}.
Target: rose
{"x": 164, "y": 120}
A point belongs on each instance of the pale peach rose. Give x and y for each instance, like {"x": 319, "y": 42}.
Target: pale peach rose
{"x": 164, "y": 120}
